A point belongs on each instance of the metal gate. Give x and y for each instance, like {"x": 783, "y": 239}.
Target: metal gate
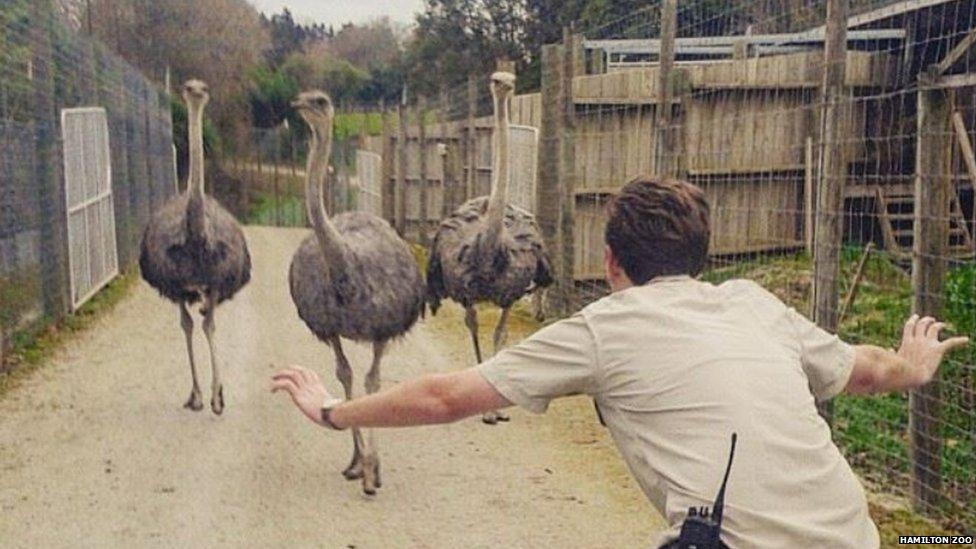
{"x": 92, "y": 253}
{"x": 522, "y": 169}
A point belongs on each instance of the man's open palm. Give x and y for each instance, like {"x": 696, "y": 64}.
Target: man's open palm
{"x": 921, "y": 347}
{"x": 305, "y": 388}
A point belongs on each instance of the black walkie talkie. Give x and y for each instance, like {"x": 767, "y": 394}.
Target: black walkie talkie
{"x": 701, "y": 529}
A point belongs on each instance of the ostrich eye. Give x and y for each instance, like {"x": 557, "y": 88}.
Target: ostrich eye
{"x": 322, "y": 102}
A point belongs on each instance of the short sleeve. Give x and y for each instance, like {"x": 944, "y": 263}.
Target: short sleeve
{"x": 826, "y": 359}
{"x": 559, "y": 360}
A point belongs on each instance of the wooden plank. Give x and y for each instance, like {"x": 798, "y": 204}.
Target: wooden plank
{"x": 421, "y": 115}
{"x": 401, "y": 173}
{"x": 932, "y": 188}
{"x": 808, "y": 194}
{"x": 965, "y": 145}
{"x": 572, "y": 55}
{"x": 955, "y": 54}
{"x": 471, "y": 139}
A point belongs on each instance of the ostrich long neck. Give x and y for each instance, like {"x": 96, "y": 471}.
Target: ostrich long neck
{"x": 196, "y": 221}
{"x": 330, "y": 241}
{"x": 499, "y": 170}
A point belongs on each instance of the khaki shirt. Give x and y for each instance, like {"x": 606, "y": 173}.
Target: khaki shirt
{"x": 675, "y": 367}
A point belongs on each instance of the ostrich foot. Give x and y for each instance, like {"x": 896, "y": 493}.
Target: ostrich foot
{"x": 195, "y": 402}
{"x": 217, "y": 401}
{"x": 355, "y": 470}
{"x": 492, "y": 418}
{"x": 371, "y": 475}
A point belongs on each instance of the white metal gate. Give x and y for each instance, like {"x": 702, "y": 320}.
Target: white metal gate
{"x": 92, "y": 253}
{"x": 522, "y": 168}
{"x": 369, "y": 168}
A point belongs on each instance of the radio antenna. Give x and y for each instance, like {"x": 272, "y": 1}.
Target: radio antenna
{"x": 720, "y": 499}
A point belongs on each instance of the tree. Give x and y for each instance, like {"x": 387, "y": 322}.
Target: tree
{"x": 218, "y": 41}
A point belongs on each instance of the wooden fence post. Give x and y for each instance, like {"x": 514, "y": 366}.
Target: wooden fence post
{"x": 571, "y": 64}
{"x": 448, "y": 173}
{"x": 932, "y": 187}
{"x": 421, "y": 110}
{"x": 401, "y": 175}
{"x": 389, "y": 174}
{"x": 548, "y": 194}
{"x": 471, "y": 149}
{"x": 665, "y": 144}
{"x": 829, "y": 227}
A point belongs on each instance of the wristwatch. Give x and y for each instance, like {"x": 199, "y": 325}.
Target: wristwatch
{"x": 327, "y": 406}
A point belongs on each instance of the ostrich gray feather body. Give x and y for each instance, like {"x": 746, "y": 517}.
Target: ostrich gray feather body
{"x": 182, "y": 265}
{"x": 378, "y": 296}
{"x": 465, "y": 267}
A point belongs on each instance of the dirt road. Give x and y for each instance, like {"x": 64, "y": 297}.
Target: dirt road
{"x": 96, "y": 450}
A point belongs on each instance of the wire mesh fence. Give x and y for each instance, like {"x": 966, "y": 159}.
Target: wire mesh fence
{"x": 834, "y": 142}
{"x": 45, "y": 68}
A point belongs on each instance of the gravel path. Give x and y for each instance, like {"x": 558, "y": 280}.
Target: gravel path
{"x": 96, "y": 450}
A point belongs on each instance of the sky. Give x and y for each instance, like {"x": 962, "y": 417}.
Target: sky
{"x": 336, "y": 12}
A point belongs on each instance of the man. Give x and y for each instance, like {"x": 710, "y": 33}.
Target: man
{"x": 675, "y": 366}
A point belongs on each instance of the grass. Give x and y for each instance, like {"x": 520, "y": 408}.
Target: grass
{"x": 290, "y": 211}
{"x": 32, "y": 348}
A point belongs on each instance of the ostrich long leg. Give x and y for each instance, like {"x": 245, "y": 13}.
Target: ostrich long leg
{"x": 195, "y": 402}
{"x": 217, "y": 387}
{"x": 471, "y": 321}
{"x": 501, "y": 331}
{"x": 371, "y": 458}
{"x": 501, "y": 334}
{"x": 344, "y": 374}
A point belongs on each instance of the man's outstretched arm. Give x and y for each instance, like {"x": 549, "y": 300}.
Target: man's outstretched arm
{"x": 440, "y": 398}
{"x": 878, "y": 370}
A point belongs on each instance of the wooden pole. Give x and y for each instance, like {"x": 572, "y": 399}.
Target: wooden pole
{"x": 855, "y": 282}
{"x": 571, "y": 50}
{"x": 829, "y": 228}
{"x": 401, "y": 174}
{"x": 665, "y": 143}
{"x": 932, "y": 187}
{"x": 548, "y": 194}
{"x": 422, "y": 228}
{"x": 471, "y": 148}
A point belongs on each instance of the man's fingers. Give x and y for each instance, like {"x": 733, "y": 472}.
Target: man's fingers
{"x": 909, "y": 331}
{"x": 289, "y": 374}
{"x": 284, "y": 384}
{"x": 934, "y": 329}
{"x": 953, "y": 343}
{"x": 923, "y": 325}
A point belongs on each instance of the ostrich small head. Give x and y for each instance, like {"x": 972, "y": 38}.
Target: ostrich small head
{"x": 315, "y": 107}
{"x": 196, "y": 92}
{"x": 502, "y": 84}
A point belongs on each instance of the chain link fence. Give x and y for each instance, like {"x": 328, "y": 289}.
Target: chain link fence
{"x": 45, "y": 68}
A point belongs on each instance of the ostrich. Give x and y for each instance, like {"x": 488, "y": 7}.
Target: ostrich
{"x": 193, "y": 250}
{"x": 353, "y": 278}
{"x": 488, "y": 250}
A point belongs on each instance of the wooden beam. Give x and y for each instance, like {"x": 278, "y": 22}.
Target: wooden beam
{"x": 829, "y": 225}
{"x": 965, "y": 145}
{"x": 423, "y": 214}
{"x": 931, "y": 239}
{"x": 957, "y": 52}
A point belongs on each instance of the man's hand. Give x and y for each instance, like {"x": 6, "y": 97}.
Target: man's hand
{"x": 921, "y": 348}
{"x": 305, "y": 388}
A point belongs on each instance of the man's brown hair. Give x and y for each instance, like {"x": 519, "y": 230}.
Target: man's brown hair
{"x": 658, "y": 227}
